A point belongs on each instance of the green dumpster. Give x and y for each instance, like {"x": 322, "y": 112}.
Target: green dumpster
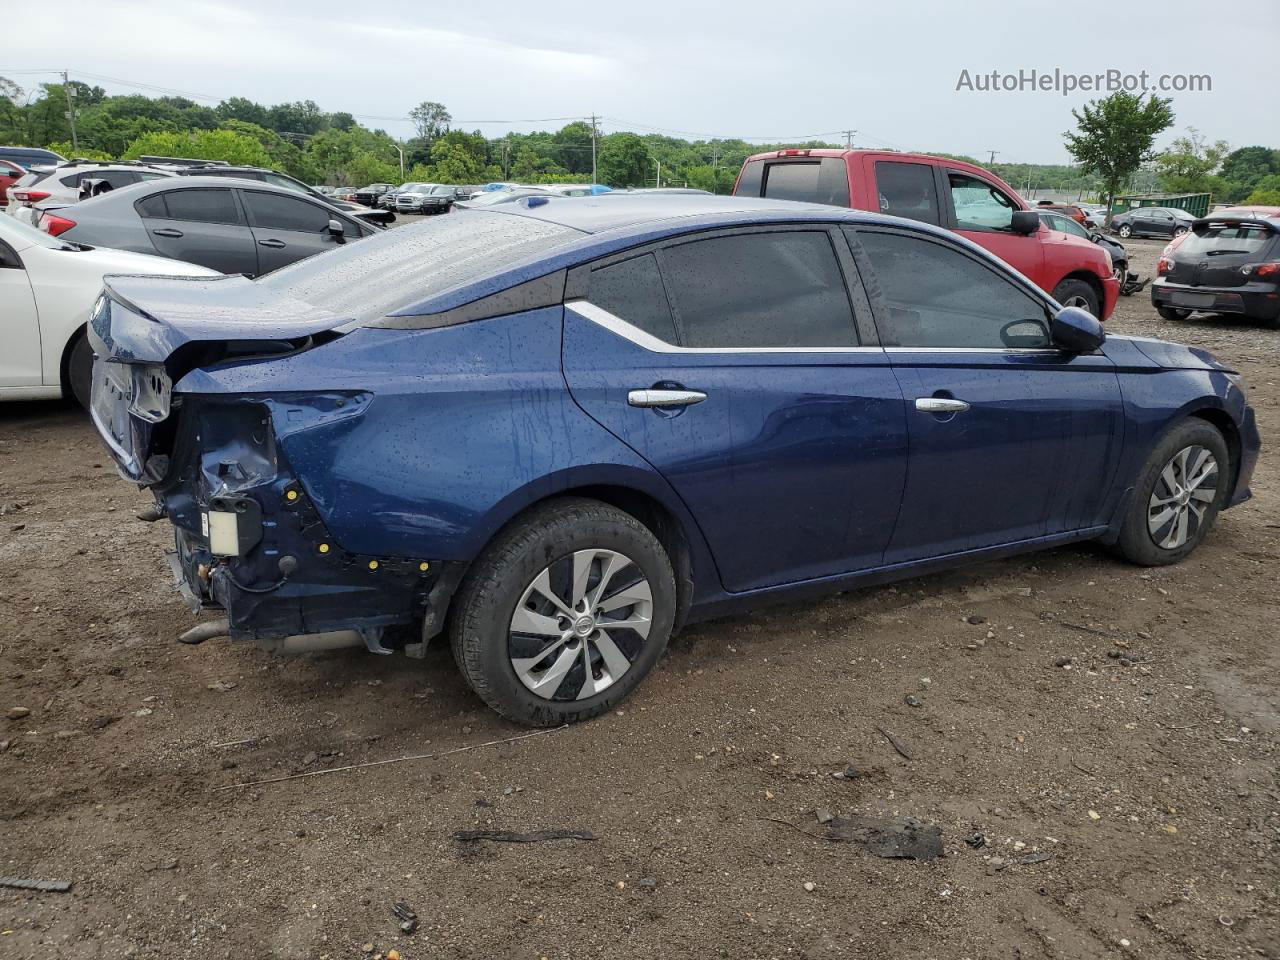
{"x": 1196, "y": 204}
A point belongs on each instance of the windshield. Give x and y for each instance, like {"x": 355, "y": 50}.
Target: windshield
{"x": 20, "y": 236}
{"x": 1221, "y": 241}
{"x": 373, "y": 278}
{"x": 441, "y": 191}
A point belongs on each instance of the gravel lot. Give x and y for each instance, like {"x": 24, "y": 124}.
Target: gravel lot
{"x": 1146, "y": 765}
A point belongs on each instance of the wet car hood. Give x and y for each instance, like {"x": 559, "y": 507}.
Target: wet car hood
{"x": 1173, "y": 356}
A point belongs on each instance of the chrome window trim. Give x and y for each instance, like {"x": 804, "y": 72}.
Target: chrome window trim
{"x": 1001, "y": 350}
{"x": 615, "y": 324}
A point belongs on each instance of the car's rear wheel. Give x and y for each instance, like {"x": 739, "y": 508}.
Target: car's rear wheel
{"x": 564, "y": 613}
{"x": 80, "y": 371}
{"x": 1077, "y": 293}
{"x": 1125, "y": 231}
{"x": 1179, "y": 231}
{"x": 1120, "y": 270}
{"x": 1177, "y": 496}
{"x": 1172, "y": 313}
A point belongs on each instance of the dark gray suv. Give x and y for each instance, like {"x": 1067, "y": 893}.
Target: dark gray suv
{"x": 235, "y": 226}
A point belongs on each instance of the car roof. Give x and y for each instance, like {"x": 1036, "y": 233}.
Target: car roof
{"x": 613, "y": 211}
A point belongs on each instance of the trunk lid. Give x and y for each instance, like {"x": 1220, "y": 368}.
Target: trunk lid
{"x": 149, "y": 332}
{"x": 1215, "y": 250}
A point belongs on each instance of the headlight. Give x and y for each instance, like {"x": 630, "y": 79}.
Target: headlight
{"x": 147, "y": 386}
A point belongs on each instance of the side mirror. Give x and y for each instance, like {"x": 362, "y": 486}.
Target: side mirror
{"x": 336, "y": 228}
{"x": 1076, "y": 330}
{"x": 1025, "y": 222}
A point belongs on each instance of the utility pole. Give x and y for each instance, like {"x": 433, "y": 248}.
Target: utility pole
{"x": 401, "y": 152}
{"x": 506, "y": 143}
{"x": 715, "y": 166}
{"x": 992, "y": 158}
{"x": 71, "y": 112}
{"x": 593, "y": 148}
{"x": 848, "y": 138}
{"x": 658, "y": 163}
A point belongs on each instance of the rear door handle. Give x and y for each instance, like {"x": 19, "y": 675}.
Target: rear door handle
{"x": 664, "y": 398}
{"x": 167, "y": 232}
{"x": 273, "y": 244}
{"x": 940, "y": 405}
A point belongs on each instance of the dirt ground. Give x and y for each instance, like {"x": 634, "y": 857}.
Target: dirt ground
{"x": 1146, "y": 765}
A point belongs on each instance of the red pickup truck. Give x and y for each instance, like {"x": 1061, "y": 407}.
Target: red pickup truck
{"x": 948, "y": 193}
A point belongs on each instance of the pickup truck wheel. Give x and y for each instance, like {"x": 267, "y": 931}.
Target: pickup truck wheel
{"x": 1172, "y": 313}
{"x": 1125, "y": 231}
{"x": 1077, "y": 293}
{"x": 564, "y": 613}
{"x": 1177, "y": 496}
{"x": 80, "y": 371}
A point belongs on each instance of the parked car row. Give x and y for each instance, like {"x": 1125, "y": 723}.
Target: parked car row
{"x": 44, "y": 186}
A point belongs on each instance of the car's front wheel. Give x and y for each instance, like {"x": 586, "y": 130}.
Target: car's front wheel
{"x": 1179, "y": 231}
{"x": 564, "y": 613}
{"x": 1078, "y": 293}
{"x": 1177, "y": 497}
{"x": 1125, "y": 231}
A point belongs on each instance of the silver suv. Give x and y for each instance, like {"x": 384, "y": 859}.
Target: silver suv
{"x": 70, "y": 182}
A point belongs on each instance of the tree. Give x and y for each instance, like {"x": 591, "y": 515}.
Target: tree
{"x": 571, "y": 146}
{"x": 1267, "y": 192}
{"x": 1115, "y": 135}
{"x": 240, "y": 108}
{"x": 304, "y": 116}
{"x": 1189, "y": 165}
{"x": 623, "y": 160}
{"x": 430, "y": 119}
{"x": 1244, "y": 168}
{"x": 452, "y": 163}
{"x": 225, "y": 145}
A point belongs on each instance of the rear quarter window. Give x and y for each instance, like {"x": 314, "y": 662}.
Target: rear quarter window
{"x": 632, "y": 290}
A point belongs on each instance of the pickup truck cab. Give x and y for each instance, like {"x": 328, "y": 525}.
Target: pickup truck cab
{"x": 951, "y": 194}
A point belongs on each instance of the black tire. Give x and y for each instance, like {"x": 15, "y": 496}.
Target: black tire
{"x": 1120, "y": 270}
{"x": 481, "y": 628}
{"x": 1179, "y": 231}
{"x": 1138, "y": 542}
{"x": 1172, "y": 313}
{"x": 1125, "y": 231}
{"x": 80, "y": 371}
{"x": 1078, "y": 293}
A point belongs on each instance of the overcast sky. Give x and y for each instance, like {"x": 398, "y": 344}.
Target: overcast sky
{"x": 750, "y": 69}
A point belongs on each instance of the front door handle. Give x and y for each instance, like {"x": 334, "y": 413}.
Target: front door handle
{"x": 664, "y": 398}
{"x": 273, "y": 244}
{"x": 167, "y": 232}
{"x": 940, "y": 405}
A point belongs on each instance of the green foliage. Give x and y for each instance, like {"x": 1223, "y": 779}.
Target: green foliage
{"x": 624, "y": 160}
{"x": 1115, "y": 136}
{"x": 1244, "y": 169}
{"x": 1266, "y": 192}
{"x": 1189, "y": 165}
{"x": 65, "y": 150}
{"x": 225, "y": 145}
{"x": 430, "y": 119}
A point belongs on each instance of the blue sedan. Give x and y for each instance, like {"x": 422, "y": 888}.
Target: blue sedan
{"x": 557, "y": 430}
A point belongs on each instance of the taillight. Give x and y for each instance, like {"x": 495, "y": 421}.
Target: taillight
{"x": 1264, "y": 270}
{"x": 54, "y": 225}
{"x": 29, "y": 196}
{"x": 1163, "y": 266}
{"x": 793, "y": 153}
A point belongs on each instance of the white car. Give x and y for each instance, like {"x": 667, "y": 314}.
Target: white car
{"x": 47, "y": 288}
{"x": 62, "y": 184}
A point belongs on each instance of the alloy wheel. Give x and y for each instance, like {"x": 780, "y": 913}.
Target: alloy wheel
{"x": 1184, "y": 491}
{"x": 580, "y": 624}
{"x": 1079, "y": 301}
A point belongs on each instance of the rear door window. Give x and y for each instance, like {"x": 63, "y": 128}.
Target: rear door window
{"x": 818, "y": 180}
{"x": 766, "y": 289}
{"x": 935, "y": 295}
{"x": 285, "y": 213}
{"x": 908, "y": 190}
{"x": 632, "y": 290}
{"x": 202, "y": 205}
